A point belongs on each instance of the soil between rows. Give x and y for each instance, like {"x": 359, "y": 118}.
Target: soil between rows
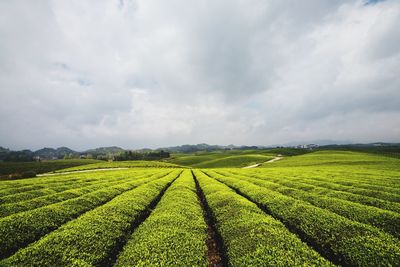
{"x": 216, "y": 254}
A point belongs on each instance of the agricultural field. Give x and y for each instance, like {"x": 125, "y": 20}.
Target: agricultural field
{"x": 121, "y": 164}
{"x": 326, "y": 208}
{"x": 222, "y": 159}
{"x": 35, "y": 167}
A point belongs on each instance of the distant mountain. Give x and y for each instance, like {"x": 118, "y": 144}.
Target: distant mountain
{"x": 192, "y": 148}
{"x": 9, "y": 155}
{"x": 65, "y": 150}
{"x": 204, "y": 147}
{"x": 51, "y": 153}
{"x": 104, "y": 150}
{"x": 4, "y": 150}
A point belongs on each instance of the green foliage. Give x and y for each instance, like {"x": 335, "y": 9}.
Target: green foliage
{"x": 75, "y": 189}
{"x": 23, "y": 228}
{"x": 122, "y": 164}
{"x": 91, "y": 238}
{"x": 253, "y": 238}
{"x": 220, "y": 159}
{"x": 385, "y": 149}
{"x": 174, "y": 234}
{"x": 39, "y": 166}
{"x": 336, "y": 158}
{"x": 139, "y": 155}
{"x": 386, "y": 220}
{"x": 312, "y": 186}
{"x": 349, "y": 242}
{"x": 234, "y": 161}
{"x": 345, "y": 205}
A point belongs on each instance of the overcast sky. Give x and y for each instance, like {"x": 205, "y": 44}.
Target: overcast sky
{"x": 152, "y": 73}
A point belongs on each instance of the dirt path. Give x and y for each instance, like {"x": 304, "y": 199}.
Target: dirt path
{"x": 259, "y": 164}
{"x": 91, "y": 170}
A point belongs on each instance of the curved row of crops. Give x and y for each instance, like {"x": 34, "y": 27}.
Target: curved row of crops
{"x": 342, "y": 240}
{"x": 158, "y": 216}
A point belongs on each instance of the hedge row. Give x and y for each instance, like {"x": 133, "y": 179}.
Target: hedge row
{"x": 298, "y": 184}
{"x": 45, "y": 190}
{"x": 14, "y": 187}
{"x": 93, "y": 238}
{"x": 12, "y": 208}
{"x": 251, "y": 237}
{"x": 365, "y": 184}
{"x": 46, "y": 183}
{"x": 349, "y": 182}
{"x": 385, "y": 220}
{"x": 175, "y": 232}
{"x": 25, "y": 185}
{"x": 23, "y": 228}
{"x": 60, "y": 187}
{"x": 342, "y": 240}
{"x": 360, "y": 191}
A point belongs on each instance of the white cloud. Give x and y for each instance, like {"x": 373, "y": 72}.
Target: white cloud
{"x": 154, "y": 73}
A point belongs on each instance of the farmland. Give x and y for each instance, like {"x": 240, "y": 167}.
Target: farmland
{"x": 41, "y": 167}
{"x": 121, "y": 164}
{"x": 222, "y": 159}
{"x": 326, "y": 208}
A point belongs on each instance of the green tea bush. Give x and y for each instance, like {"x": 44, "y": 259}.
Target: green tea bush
{"x": 23, "y": 228}
{"x": 251, "y": 237}
{"x": 385, "y": 220}
{"x": 348, "y": 242}
{"x": 91, "y": 239}
{"x": 175, "y": 232}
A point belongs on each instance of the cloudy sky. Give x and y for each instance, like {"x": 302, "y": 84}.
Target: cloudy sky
{"x": 151, "y": 73}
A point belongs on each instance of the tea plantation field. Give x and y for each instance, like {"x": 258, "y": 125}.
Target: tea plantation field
{"x": 327, "y": 208}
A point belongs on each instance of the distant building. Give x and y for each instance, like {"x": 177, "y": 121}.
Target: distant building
{"x": 308, "y": 146}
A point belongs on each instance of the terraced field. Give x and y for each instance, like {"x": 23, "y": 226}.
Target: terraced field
{"x": 311, "y": 210}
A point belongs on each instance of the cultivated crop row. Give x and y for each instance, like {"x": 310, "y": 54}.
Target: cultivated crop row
{"x": 95, "y": 237}
{"x": 178, "y": 217}
{"x": 330, "y": 184}
{"x": 375, "y": 175}
{"x": 175, "y": 232}
{"x": 370, "y": 184}
{"x": 342, "y": 240}
{"x": 23, "y": 228}
{"x": 251, "y": 237}
{"x": 52, "y": 189}
{"x": 30, "y": 204}
{"x": 298, "y": 184}
{"x": 385, "y": 220}
{"x": 28, "y": 185}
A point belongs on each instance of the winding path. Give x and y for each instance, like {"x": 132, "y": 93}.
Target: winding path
{"x": 259, "y": 164}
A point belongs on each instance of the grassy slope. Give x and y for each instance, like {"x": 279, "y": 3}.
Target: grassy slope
{"x": 234, "y": 161}
{"x": 122, "y": 164}
{"x": 217, "y": 159}
{"x": 43, "y": 166}
{"x": 335, "y": 164}
{"x": 334, "y": 158}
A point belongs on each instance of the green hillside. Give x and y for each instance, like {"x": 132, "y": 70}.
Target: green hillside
{"x": 234, "y": 161}
{"x": 224, "y": 158}
{"x": 332, "y": 158}
{"x": 122, "y": 164}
